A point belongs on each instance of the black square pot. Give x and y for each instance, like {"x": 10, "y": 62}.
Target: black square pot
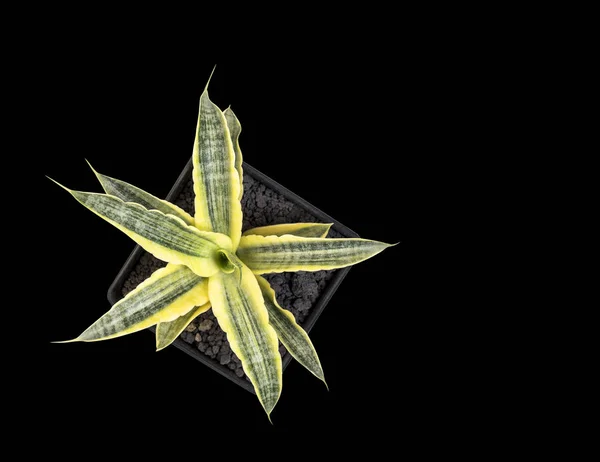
{"x": 264, "y": 189}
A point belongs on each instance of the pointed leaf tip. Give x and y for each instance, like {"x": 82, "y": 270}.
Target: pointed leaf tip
{"x": 208, "y": 82}
{"x": 64, "y": 187}
{"x": 67, "y": 341}
{"x": 93, "y": 169}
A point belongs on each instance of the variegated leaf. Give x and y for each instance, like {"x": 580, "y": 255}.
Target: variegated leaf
{"x": 165, "y": 236}
{"x": 167, "y": 332}
{"x": 129, "y": 193}
{"x": 166, "y": 295}
{"x": 295, "y": 229}
{"x": 240, "y": 310}
{"x": 274, "y": 254}
{"x": 216, "y": 181}
{"x": 293, "y": 337}
{"x": 235, "y": 128}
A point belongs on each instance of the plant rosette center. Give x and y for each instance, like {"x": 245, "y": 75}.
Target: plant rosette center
{"x": 227, "y": 261}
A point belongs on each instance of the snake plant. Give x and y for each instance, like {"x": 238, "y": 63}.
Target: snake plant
{"x": 211, "y": 264}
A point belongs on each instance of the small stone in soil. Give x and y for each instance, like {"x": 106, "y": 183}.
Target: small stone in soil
{"x": 239, "y": 372}
{"x": 198, "y": 338}
{"x": 225, "y": 359}
{"x": 302, "y": 305}
{"x": 304, "y": 285}
{"x": 188, "y": 337}
{"x": 205, "y": 325}
{"x": 215, "y": 349}
{"x": 277, "y": 281}
{"x": 191, "y": 328}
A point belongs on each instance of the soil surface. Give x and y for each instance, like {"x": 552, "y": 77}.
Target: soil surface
{"x": 296, "y": 292}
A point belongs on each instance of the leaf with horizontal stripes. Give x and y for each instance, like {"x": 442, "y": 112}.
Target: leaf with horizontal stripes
{"x": 167, "y": 332}
{"x": 295, "y": 229}
{"x": 240, "y": 310}
{"x": 216, "y": 181}
{"x": 166, "y": 295}
{"x": 164, "y": 236}
{"x": 235, "y": 128}
{"x": 293, "y": 337}
{"x": 129, "y": 193}
{"x": 275, "y": 254}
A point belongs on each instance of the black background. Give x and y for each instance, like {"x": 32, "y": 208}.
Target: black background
{"x": 342, "y": 135}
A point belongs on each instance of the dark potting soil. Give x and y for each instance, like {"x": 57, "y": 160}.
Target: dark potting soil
{"x": 296, "y": 292}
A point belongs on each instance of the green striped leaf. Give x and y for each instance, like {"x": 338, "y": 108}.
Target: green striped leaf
{"x": 235, "y": 128}
{"x": 295, "y": 229}
{"x": 167, "y": 332}
{"x": 275, "y": 254}
{"x": 293, "y": 337}
{"x": 166, "y": 295}
{"x": 129, "y": 193}
{"x": 164, "y": 236}
{"x": 240, "y": 310}
{"x": 216, "y": 181}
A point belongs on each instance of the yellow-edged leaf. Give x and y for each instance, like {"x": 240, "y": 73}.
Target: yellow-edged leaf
{"x": 295, "y": 229}
{"x": 240, "y": 310}
{"x": 235, "y": 128}
{"x": 167, "y": 332}
{"x": 275, "y": 254}
{"x": 293, "y": 337}
{"x": 165, "y": 236}
{"x": 129, "y": 193}
{"x": 216, "y": 180}
{"x": 166, "y": 295}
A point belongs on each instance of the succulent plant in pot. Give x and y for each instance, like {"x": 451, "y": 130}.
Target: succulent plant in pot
{"x": 211, "y": 265}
